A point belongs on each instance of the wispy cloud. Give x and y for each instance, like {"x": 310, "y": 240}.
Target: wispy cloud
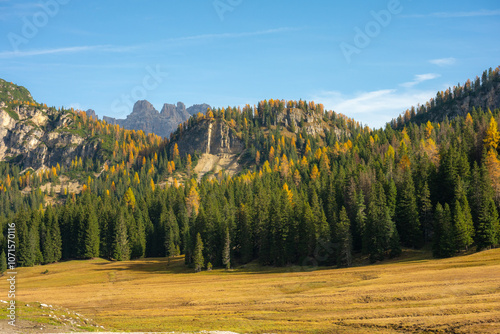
{"x": 10, "y": 9}
{"x": 72, "y": 49}
{"x": 233, "y": 35}
{"x": 443, "y": 61}
{"x": 374, "y": 108}
{"x": 446, "y": 15}
{"x": 126, "y": 48}
{"x": 420, "y": 78}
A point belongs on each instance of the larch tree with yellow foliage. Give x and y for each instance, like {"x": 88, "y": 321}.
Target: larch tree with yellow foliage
{"x": 492, "y": 135}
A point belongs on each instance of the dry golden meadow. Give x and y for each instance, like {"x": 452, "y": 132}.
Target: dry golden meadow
{"x": 414, "y": 294}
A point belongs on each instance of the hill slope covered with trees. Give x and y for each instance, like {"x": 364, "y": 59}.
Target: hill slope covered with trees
{"x": 316, "y": 188}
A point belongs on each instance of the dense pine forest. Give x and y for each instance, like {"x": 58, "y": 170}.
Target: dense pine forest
{"x": 303, "y": 197}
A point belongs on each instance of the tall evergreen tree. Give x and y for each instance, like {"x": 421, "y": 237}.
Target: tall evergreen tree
{"x": 91, "y": 234}
{"x": 3, "y": 262}
{"x": 226, "y": 254}
{"x": 344, "y": 240}
{"x": 25, "y": 240}
{"x": 379, "y": 227}
{"x": 463, "y": 224}
{"x": 407, "y": 219}
{"x": 425, "y": 209}
{"x": 120, "y": 247}
{"x": 198, "y": 259}
{"x": 443, "y": 245}
{"x": 488, "y": 225}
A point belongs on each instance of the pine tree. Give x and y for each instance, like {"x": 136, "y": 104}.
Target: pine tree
{"x": 199, "y": 260}
{"x": 488, "y": 226}
{"x": 462, "y": 223}
{"x": 120, "y": 248}
{"x": 171, "y": 234}
{"x": 394, "y": 244}
{"x": 407, "y": 219}
{"x": 344, "y": 240}
{"x": 226, "y": 254}
{"x": 25, "y": 241}
{"x": 443, "y": 232}
{"x": 426, "y": 216}
{"x": 379, "y": 227}
{"x": 3, "y": 262}
{"x": 91, "y": 234}
{"x": 359, "y": 229}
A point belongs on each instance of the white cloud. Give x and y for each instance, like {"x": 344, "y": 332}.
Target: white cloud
{"x": 234, "y": 35}
{"x": 443, "y": 61}
{"x": 374, "y": 108}
{"x": 126, "y": 48}
{"x": 72, "y": 49}
{"x": 420, "y": 78}
{"x": 445, "y": 15}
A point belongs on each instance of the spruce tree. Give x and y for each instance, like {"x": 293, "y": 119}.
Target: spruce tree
{"x": 394, "y": 244}
{"x": 488, "y": 225}
{"x": 198, "y": 258}
{"x": 3, "y": 262}
{"x": 407, "y": 219}
{"x": 171, "y": 234}
{"x": 426, "y": 215}
{"x": 344, "y": 240}
{"x": 120, "y": 247}
{"x": 91, "y": 234}
{"x": 379, "y": 227}
{"x": 226, "y": 254}
{"x": 25, "y": 240}
{"x": 463, "y": 228}
{"x": 443, "y": 245}
{"x": 359, "y": 229}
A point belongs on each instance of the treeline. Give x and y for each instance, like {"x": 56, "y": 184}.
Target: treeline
{"x": 480, "y": 85}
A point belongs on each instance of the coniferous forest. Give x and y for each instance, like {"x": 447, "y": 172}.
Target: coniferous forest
{"x": 301, "y": 198}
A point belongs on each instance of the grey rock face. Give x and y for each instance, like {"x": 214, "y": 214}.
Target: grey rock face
{"x": 210, "y": 136}
{"x": 39, "y": 137}
{"x": 146, "y": 118}
{"x": 91, "y": 113}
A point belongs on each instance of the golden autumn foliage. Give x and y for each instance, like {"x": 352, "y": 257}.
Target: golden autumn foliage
{"x": 492, "y": 135}
{"x": 304, "y": 163}
{"x": 193, "y": 199}
{"x": 314, "y": 172}
{"x": 429, "y": 147}
{"x": 284, "y": 167}
{"x": 493, "y": 165}
{"x": 288, "y": 193}
{"x": 175, "y": 154}
{"x": 428, "y": 130}
{"x": 468, "y": 120}
{"x": 271, "y": 154}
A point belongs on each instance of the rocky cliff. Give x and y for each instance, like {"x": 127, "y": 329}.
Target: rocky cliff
{"x": 33, "y": 135}
{"x": 146, "y": 118}
{"x": 36, "y": 137}
{"x": 210, "y": 137}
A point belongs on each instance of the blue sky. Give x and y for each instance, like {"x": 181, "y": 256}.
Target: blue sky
{"x": 367, "y": 59}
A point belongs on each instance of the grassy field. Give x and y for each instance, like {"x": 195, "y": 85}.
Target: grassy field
{"x": 413, "y": 294}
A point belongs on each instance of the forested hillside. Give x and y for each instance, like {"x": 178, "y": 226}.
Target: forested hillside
{"x": 316, "y": 188}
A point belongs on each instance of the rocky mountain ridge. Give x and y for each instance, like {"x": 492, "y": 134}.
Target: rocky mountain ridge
{"x": 36, "y": 137}
{"x": 145, "y": 117}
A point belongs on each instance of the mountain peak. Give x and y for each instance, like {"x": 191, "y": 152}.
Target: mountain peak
{"x": 145, "y": 117}
{"x": 142, "y": 107}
